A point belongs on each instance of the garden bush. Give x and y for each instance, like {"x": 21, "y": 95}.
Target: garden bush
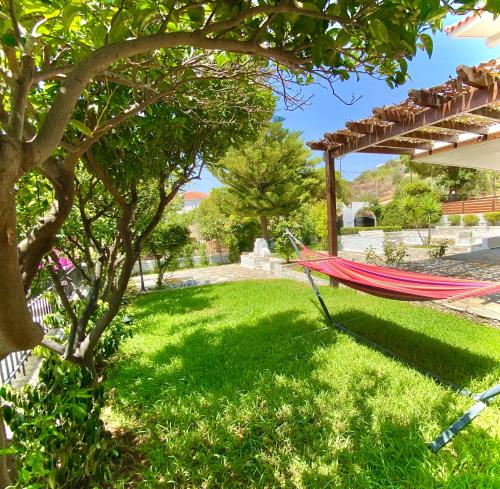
{"x": 393, "y": 215}
{"x": 387, "y": 229}
{"x": 202, "y": 251}
{"x": 59, "y": 439}
{"x": 439, "y": 250}
{"x": 492, "y": 218}
{"x": 454, "y": 220}
{"x": 394, "y": 254}
{"x": 471, "y": 220}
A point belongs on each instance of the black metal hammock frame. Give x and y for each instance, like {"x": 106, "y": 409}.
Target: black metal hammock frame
{"x": 482, "y": 399}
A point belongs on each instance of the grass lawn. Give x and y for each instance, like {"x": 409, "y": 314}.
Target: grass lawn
{"x": 227, "y": 386}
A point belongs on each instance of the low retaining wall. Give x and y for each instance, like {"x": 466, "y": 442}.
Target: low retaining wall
{"x": 150, "y": 265}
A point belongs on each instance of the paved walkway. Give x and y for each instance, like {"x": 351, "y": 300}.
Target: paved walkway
{"x": 478, "y": 265}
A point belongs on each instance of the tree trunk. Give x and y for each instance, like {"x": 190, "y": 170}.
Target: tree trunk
{"x": 17, "y": 329}
{"x": 429, "y": 234}
{"x": 264, "y": 225}
{"x": 143, "y": 288}
{"x": 42, "y": 237}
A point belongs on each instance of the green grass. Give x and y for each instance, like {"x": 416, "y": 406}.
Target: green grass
{"x": 230, "y": 386}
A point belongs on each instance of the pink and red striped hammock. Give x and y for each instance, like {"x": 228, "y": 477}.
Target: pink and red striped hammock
{"x": 393, "y": 283}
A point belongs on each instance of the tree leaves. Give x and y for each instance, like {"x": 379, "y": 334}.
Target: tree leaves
{"x": 427, "y": 43}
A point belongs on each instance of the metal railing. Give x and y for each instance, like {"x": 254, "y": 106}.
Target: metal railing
{"x": 40, "y": 307}
{"x": 15, "y": 362}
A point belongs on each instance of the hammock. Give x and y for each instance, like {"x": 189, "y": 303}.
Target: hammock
{"x": 392, "y": 283}
{"x": 400, "y": 285}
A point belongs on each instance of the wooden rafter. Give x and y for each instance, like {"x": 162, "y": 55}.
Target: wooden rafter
{"x": 489, "y": 112}
{"x": 445, "y": 137}
{"x": 463, "y": 126}
{"x": 426, "y": 98}
{"x": 469, "y": 103}
{"x": 367, "y": 127}
{"x": 406, "y": 143}
{"x": 387, "y": 150}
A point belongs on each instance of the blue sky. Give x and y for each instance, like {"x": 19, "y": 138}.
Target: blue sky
{"x": 325, "y": 113}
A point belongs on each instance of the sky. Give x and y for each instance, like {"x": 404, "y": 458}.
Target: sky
{"x": 325, "y": 113}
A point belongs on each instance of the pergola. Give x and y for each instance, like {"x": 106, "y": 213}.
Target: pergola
{"x": 456, "y": 123}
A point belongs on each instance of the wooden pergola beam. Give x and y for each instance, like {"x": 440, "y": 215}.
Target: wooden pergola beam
{"x": 475, "y": 76}
{"x": 408, "y": 144}
{"x": 387, "y": 150}
{"x": 488, "y": 112}
{"x": 463, "y": 127}
{"x": 474, "y": 99}
{"x": 367, "y": 128}
{"x": 426, "y": 98}
{"x": 434, "y": 136}
{"x": 461, "y": 144}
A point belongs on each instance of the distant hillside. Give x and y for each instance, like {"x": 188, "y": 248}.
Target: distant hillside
{"x": 379, "y": 183}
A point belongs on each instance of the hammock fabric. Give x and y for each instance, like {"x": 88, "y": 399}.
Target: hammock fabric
{"x": 393, "y": 283}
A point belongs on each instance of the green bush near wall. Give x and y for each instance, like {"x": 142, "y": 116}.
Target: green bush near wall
{"x": 454, "y": 220}
{"x": 492, "y": 218}
{"x": 387, "y": 229}
{"x": 471, "y": 220}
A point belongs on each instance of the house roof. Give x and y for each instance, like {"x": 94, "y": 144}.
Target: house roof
{"x": 477, "y": 24}
{"x": 194, "y": 195}
{"x": 456, "y": 117}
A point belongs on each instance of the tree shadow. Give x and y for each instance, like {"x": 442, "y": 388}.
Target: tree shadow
{"x": 450, "y": 362}
{"x": 173, "y": 302}
{"x": 267, "y": 369}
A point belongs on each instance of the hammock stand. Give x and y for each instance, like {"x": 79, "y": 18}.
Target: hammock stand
{"x": 481, "y": 399}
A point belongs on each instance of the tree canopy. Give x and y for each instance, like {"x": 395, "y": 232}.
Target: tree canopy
{"x": 53, "y": 52}
{"x": 270, "y": 177}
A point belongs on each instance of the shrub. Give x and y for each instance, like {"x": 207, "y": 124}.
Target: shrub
{"x": 439, "y": 250}
{"x": 471, "y": 220}
{"x": 492, "y": 218}
{"x": 202, "y": 250}
{"x": 187, "y": 255}
{"x": 454, "y": 220}
{"x": 58, "y": 436}
{"x": 393, "y": 215}
{"x": 387, "y": 229}
{"x": 394, "y": 253}
{"x": 371, "y": 256}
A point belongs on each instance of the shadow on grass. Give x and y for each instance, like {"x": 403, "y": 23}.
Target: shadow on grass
{"x": 238, "y": 406}
{"x": 451, "y": 362}
{"x": 180, "y": 301}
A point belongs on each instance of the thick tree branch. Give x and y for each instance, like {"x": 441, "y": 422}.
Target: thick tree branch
{"x": 60, "y": 112}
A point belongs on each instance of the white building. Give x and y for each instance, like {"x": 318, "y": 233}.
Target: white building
{"x": 192, "y": 200}
{"x": 478, "y": 24}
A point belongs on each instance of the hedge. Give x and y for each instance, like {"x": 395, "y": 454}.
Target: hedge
{"x": 387, "y": 229}
{"x": 454, "y": 220}
{"x": 471, "y": 220}
{"x": 492, "y": 218}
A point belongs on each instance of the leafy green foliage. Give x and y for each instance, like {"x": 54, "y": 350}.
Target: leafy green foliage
{"x": 439, "y": 250}
{"x": 269, "y": 177}
{"x": 492, "y": 218}
{"x": 219, "y": 225}
{"x": 301, "y": 225}
{"x": 166, "y": 244}
{"x": 393, "y": 215}
{"x": 454, "y": 220}
{"x": 228, "y": 380}
{"x": 59, "y": 438}
{"x": 387, "y": 229}
{"x": 470, "y": 220}
{"x": 394, "y": 253}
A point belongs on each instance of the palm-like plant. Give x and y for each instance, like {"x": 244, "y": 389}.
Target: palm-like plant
{"x": 430, "y": 212}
